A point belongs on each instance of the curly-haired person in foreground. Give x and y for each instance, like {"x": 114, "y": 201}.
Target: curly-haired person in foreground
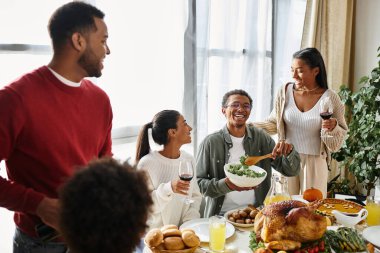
{"x": 104, "y": 208}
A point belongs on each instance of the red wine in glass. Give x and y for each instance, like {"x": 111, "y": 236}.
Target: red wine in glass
{"x": 326, "y": 111}
{"x": 186, "y": 173}
{"x": 186, "y": 177}
{"x": 326, "y": 115}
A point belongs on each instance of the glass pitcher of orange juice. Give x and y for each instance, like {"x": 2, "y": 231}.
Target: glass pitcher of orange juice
{"x": 278, "y": 190}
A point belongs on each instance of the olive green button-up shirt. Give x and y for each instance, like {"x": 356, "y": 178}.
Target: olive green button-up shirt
{"x": 213, "y": 154}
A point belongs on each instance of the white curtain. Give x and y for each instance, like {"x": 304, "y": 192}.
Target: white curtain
{"x": 289, "y": 16}
{"x": 233, "y": 52}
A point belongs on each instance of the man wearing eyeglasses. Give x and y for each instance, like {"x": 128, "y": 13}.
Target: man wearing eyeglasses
{"x": 227, "y": 145}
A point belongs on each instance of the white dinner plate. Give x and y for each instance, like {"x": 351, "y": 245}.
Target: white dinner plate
{"x": 372, "y": 235}
{"x": 237, "y": 224}
{"x": 200, "y": 226}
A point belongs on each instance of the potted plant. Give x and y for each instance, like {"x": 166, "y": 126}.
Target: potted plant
{"x": 360, "y": 152}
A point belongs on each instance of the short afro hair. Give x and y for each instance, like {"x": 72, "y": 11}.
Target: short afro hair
{"x": 235, "y": 92}
{"x": 104, "y": 207}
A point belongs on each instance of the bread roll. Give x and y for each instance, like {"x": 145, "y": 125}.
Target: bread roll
{"x": 174, "y": 243}
{"x": 170, "y": 226}
{"x": 171, "y": 232}
{"x": 154, "y": 237}
{"x": 187, "y": 229}
{"x": 190, "y": 239}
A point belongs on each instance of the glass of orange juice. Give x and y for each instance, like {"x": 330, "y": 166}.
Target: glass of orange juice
{"x": 373, "y": 208}
{"x": 217, "y": 230}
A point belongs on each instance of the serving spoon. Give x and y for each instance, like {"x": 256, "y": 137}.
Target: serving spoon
{"x": 252, "y": 160}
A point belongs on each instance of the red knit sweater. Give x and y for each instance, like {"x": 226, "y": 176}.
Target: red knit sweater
{"x": 47, "y": 129}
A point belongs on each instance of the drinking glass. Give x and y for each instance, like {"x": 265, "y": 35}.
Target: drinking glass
{"x": 326, "y": 109}
{"x": 217, "y": 232}
{"x": 373, "y": 208}
{"x": 186, "y": 173}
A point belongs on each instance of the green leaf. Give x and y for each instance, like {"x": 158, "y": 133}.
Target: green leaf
{"x": 363, "y": 80}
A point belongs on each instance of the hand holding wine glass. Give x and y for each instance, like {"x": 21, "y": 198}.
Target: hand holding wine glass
{"x": 186, "y": 173}
{"x": 326, "y": 110}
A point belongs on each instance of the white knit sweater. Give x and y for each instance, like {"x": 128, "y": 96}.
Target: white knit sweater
{"x": 169, "y": 207}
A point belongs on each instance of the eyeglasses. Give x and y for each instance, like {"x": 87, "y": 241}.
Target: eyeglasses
{"x": 236, "y": 105}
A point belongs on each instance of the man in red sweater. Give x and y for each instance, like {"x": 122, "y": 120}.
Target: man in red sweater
{"x": 52, "y": 121}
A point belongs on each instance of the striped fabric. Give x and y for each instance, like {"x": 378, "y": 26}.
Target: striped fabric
{"x": 303, "y": 128}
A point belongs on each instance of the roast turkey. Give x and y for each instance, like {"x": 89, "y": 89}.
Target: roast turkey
{"x": 285, "y": 225}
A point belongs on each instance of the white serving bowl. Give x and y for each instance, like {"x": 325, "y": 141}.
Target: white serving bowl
{"x": 350, "y": 219}
{"x": 244, "y": 181}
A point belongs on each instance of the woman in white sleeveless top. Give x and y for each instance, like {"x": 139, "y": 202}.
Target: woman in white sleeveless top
{"x": 296, "y": 119}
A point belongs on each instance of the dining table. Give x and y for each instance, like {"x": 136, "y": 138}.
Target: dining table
{"x": 238, "y": 242}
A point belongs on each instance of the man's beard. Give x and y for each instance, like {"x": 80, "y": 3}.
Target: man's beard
{"x": 90, "y": 64}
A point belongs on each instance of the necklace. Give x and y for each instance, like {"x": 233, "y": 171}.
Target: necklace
{"x": 304, "y": 89}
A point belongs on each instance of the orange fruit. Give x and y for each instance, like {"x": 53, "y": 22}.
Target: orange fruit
{"x": 312, "y": 194}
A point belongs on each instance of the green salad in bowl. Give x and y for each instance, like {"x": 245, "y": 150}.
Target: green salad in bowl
{"x": 243, "y": 175}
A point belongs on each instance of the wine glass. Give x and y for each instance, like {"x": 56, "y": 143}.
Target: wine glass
{"x": 186, "y": 173}
{"x": 326, "y": 109}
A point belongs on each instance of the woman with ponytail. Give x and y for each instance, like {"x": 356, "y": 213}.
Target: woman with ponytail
{"x": 169, "y": 129}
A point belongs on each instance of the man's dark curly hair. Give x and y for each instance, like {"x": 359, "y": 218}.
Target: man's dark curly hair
{"x": 104, "y": 208}
{"x": 235, "y": 92}
{"x": 72, "y": 17}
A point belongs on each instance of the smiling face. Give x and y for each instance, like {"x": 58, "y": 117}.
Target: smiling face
{"x": 183, "y": 131}
{"x": 303, "y": 74}
{"x": 237, "y": 111}
{"x": 97, "y": 49}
